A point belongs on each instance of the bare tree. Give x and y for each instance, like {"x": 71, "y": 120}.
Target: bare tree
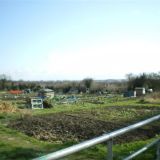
{"x": 88, "y": 82}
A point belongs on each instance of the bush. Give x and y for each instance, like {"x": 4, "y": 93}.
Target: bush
{"x": 47, "y": 103}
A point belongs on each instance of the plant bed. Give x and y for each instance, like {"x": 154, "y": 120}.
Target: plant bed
{"x": 63, "y": 127}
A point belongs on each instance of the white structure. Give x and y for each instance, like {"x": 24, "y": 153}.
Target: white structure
{"x": 140, "y": 91}
{"x": 36, "y": 103}
{"x": 134, "y": 94}
{"x": 150, "y": 90}
{"x": 46, "y": 93}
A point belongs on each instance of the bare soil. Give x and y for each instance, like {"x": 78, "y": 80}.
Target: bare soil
{"x": 63, "y": 127}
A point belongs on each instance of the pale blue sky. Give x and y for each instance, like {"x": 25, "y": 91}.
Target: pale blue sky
{"x": 74, "y": 39}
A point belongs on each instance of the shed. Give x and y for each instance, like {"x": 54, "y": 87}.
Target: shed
{"x": 129, "y": 94}
{"x": 46, "y": 93}
{"x": 16, "y": 92}
{"x": 140, "y": 91}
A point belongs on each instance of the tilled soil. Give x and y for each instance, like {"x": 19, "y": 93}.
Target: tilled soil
{"x": 62, "y": 127}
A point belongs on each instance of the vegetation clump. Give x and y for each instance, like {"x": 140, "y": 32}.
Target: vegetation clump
{"x": 153, "y": 98}
{"x": 6, "y": 107}
{"x": 48, "y": 103}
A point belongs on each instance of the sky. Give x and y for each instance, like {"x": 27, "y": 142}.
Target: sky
{"x": 76, "y": 39}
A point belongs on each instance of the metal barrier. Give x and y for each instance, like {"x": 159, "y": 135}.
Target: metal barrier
{"x": 105, "y": 137}
{"x": 144, "y": 149}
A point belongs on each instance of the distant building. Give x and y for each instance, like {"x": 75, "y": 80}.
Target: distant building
{"x": 46, "y": 93}
{"x": 16, "y": 92}
{"x": 129, "y": 94}
{"x": 140, "y": 91}
{"x": 87, "y": 90}
{"x": 150, "y": 90}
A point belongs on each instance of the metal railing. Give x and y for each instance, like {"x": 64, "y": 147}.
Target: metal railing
{"x": 105, "y": 137}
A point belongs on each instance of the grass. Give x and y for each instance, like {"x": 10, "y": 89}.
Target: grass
{"x": 89, "y": 106}
{"x": 119, "y": 151}
{"x": 16, "y": 145}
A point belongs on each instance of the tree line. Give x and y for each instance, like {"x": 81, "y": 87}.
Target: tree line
{"x": 87, "y": 84}
{"x": 146, "y": 80}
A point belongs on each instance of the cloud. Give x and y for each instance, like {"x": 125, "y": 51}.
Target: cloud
{"x": 109, "y": 59}
{"x": 103, "y": 60}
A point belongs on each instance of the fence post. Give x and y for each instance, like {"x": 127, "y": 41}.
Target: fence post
{"x": 109, "y": 147}
{"x": 158, "y": 151}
